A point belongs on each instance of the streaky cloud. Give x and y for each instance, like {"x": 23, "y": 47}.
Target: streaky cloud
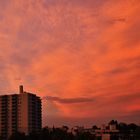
{"x": 69, "y": 100}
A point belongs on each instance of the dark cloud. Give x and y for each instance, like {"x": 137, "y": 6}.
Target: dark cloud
{"x": 118, "y": 70}
{"x": 69, "y": 100}
{"x": 115, "y": 20}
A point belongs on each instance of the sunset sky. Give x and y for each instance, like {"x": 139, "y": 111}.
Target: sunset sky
{"x": 81, "y": 56}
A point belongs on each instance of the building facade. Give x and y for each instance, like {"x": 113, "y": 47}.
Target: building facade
{"x": 20, "y": 112}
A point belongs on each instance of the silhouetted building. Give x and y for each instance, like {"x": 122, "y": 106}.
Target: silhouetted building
{"x": 20, "y": 112}
{"x": 109, "y": 132}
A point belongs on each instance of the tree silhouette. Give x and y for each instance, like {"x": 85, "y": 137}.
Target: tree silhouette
{"x": 126, "y": 132}
{"x": 17, "y": 136}
{"x": 94, "y": 127}
{"x": 137, "y": 133}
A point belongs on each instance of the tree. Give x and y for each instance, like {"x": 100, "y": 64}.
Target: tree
{"x": 94, "y": 127}
{"x": 123, "y": 127}
{"x": 33, "y": 136}
{"x": 45, "y": 134}
{"x": 137, "y": 133}
{"x": 17, "y": 136}
{"x": 132, "y": 127}
{"x": 65, "y": 128}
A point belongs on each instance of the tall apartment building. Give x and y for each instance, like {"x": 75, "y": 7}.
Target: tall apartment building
{"x": 20, "y": 112}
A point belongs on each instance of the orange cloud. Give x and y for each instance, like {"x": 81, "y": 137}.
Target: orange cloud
{"x": 73, "y": 50}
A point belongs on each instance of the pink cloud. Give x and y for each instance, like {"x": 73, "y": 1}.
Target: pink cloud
{"x": 71, "y": 49}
